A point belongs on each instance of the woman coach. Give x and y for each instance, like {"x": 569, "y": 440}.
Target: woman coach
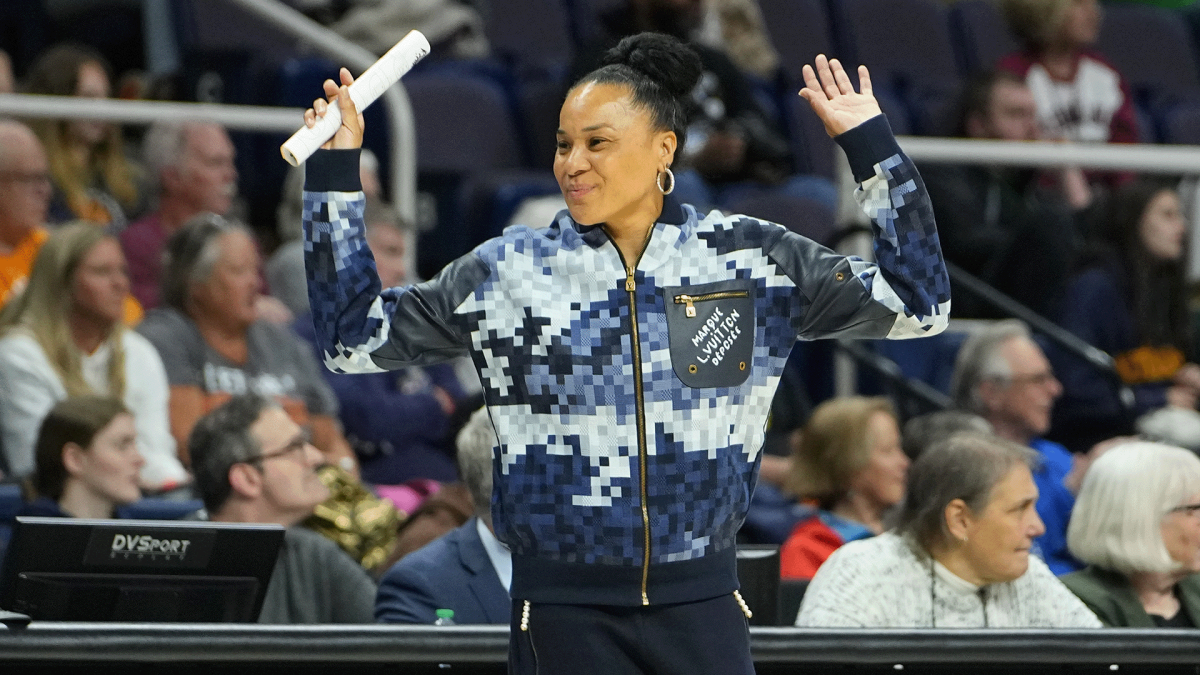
{"x": 629, "y": 353}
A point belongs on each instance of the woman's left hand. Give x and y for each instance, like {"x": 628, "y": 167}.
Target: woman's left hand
{"x": 833, "y": 97}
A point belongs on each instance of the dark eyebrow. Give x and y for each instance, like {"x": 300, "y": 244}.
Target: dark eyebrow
{"x": 594, "y": 127}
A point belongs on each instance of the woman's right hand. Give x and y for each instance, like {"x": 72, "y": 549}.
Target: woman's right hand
{"x": 350, "y": 134}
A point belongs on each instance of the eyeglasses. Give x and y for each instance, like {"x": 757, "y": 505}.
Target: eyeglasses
{"x": 299, "y": 443}
{"x": 1038, "y": 379}
{"x": 32, "y": 178}
{"x": 1190, "y": 509}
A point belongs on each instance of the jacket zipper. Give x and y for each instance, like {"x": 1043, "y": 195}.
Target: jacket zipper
{"x": 631, "y": 288}
{"x": 690, "y": 310}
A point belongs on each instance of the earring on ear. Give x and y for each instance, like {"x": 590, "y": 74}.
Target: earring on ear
{"x": 659, "y": 181}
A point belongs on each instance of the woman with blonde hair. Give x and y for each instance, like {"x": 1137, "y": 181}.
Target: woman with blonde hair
{"x": 850, "y": 468}
{"x": 93, "y": 178}
{"x": 1136, "y": 524}
{"x": 65, "y": 336}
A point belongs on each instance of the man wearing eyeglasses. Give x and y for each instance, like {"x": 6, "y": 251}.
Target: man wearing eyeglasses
{"x": 1003, "y": 375}
{"x": 253, "y": 464}
{"x": 24, "y": 201}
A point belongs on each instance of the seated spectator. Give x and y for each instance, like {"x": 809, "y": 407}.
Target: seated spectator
{"x": 1080, "y": 96}
{"x": 959, "y": 556}
{"x": 87, "y": 460}
{"x": 468, "y": 570}
{"x": 93, "y": 178}
{"x": 214, "y": 344}
{"x": 1130, "y": 299}
{"x": 397, "y": 422}
{"x": 65, "y": 336}
{"x": 1002, "y": 375}
{"x": 998, "y": 223}
{"x": 1135, "y": 525}
{"x": 24, "y": 203}
{"x": 253, "y": 464}
{"x": 849, "y": 462}
{"x": 923, "y": 431}
{"x": 732, "y": 146}
{"x": 190, "y": 170}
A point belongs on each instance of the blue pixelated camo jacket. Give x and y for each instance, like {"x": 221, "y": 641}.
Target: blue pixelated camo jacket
{"x": 630, "y": 403}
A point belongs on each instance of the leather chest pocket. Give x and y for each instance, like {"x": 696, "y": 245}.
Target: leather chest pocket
{"x": 711, "y": 330}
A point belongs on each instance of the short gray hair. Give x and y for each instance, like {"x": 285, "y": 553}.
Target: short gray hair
{"x": 979, "y": 360}
{"x": 923, "y": 431}
{"x": 1116, "y": 522}
{"x": 192, "y": 253}
{"x": 221, "y": 439}
{"x": 475, "y": 443}
{"x": 965, "y": 466}
{"x": 165, "y": 145}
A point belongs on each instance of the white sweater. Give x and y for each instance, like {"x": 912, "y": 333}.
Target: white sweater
{"x": 29, "y": 388}
{"x": 883, "y": 582}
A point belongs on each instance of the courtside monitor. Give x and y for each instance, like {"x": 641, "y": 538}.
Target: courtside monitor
{"x": 69, "y": 569}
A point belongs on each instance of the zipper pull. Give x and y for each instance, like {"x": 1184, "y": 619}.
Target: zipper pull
{"x": 630, "y": 285}
{"x": 690, "y": 310}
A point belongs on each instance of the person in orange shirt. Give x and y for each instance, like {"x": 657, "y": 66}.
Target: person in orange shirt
{"x": 24, "y": 201}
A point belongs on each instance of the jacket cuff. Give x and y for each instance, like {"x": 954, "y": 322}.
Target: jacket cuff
{"x": 867, "y": 145}
{"x": 333, "y": 171}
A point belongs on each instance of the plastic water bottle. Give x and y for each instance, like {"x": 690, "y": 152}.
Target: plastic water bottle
{"x": 445, "y": 617}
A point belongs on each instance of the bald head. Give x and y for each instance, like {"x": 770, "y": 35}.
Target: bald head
{"x": 24, "y": 182}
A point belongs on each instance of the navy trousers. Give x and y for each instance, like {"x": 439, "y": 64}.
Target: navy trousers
{"x": 694, "y": 638}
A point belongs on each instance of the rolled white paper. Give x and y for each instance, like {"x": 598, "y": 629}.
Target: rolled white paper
{"x": 369, "y": 86}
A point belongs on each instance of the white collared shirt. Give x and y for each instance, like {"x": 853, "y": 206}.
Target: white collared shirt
{"x": 497, "y": 552}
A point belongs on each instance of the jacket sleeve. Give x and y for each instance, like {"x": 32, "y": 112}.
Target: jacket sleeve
{"x": 360, "y": 327}
{"x": 906, "y": 293}
{"x": 405, "y": 596}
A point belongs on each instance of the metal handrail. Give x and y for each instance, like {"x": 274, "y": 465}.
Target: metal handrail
{"x": 243, "y": 117}
{"x": 1097, "y": 358}
{"x": 1141, "y": 157}
{"x": 403, "y": 150}
{"x": 889, "y": 370}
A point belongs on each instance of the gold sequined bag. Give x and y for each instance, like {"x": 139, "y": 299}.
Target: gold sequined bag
{"x": 361, "y": 523}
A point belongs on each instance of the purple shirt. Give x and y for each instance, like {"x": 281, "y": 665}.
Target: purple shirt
{"x": 143, "y": 242}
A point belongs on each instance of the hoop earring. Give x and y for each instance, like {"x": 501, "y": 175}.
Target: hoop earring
{"x": 658, "y": 180}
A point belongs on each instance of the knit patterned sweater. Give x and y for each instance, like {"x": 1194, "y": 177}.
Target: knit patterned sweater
{"x": 886, "y": 582}
{"x": 630, "y": 397}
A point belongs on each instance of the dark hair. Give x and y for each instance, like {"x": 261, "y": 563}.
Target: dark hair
{"x": 1155, "y": 289}
{"x": 56, "y": 71}
{"x": 976, "y": 96}
{"x": 76, "y": 419}
{"x": 221, "y": 439}
{"x": 660, "y": 70}
{"x": 190, "y": 255}
{"x": 965, "y": 466}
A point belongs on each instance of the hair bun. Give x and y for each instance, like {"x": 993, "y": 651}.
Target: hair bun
{"x": 665, "y": 59}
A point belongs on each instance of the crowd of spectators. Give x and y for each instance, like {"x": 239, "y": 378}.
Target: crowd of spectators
{"x": 147, "y": 351}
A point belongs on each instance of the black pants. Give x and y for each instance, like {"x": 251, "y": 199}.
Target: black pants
{"x": 695, "y": 638}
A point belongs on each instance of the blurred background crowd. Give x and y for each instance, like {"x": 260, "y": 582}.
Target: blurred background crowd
{"x": 157, "y": 354}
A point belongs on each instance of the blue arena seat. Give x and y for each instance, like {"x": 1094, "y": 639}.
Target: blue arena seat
{"x": 979, "y": 35}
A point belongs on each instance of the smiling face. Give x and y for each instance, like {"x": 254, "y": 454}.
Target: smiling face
{"x": 999, "y": 538}
{"x": 609, "y": 157}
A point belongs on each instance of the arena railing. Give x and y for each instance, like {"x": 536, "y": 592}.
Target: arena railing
{"x": 483, "y": 649}
{"x": 1181, "y": 160}
{"x": 402, "y": 153}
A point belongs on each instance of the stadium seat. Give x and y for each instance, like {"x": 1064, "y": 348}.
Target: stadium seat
{"x": 979, "y": 35}
{"x": 531, "y": 35}
{"x": 1153, "y": 50}
{"x": 922, "y": 73}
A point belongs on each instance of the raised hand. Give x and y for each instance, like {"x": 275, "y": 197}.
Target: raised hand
{"x": 350, "y": 134}
{"x": 833, "y": 98}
